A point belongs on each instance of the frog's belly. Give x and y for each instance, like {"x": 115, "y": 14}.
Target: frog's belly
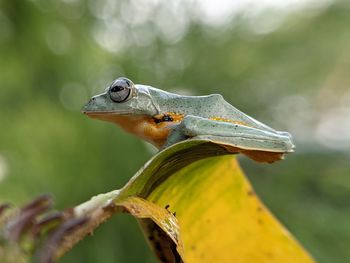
{"x": 144, "y": 127}
{"x": 156, "y": 134}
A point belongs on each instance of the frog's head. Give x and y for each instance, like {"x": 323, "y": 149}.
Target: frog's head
{"x": 122, "y": 97}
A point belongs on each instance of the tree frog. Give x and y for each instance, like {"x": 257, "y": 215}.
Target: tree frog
{"x": 163, "y": 119}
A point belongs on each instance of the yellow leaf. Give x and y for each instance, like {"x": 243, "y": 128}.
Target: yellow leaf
{"x": 220, "y": 217}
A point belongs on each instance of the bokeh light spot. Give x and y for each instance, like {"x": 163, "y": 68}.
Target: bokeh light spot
{"x": 58, "y": 39}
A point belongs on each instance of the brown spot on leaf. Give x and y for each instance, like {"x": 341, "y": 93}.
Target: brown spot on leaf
{"x": 163, "y": 246}
{"x": 158, "y": 246}
{"x": 251, "y": 192}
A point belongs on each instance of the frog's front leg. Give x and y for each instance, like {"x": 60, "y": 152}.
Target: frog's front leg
{"x": 177, "y": 134}
{"x": 226, "y": 133}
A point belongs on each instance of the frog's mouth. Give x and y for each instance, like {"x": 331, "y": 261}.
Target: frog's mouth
{"x": 100, "y": 113}
{"x": 98, "y": 107}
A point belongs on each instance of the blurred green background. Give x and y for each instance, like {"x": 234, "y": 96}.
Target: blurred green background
{"x": 284, "y": 62}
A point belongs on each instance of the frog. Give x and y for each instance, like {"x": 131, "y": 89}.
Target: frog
{"x": 163, "y": 119}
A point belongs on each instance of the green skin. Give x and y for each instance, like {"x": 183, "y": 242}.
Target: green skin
{"x": 196, "y": 124}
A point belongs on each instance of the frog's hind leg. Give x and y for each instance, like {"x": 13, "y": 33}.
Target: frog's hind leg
{"x": 258, "y": 144}
{"x": 230, "y": 144}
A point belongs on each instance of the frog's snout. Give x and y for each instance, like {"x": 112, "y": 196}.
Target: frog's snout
{"x": 89, "y": 106}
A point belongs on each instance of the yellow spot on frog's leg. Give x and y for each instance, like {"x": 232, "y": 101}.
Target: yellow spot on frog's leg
{"x": 228, "y": 120}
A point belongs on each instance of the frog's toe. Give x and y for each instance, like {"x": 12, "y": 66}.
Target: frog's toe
{"x": 287, "y": 138}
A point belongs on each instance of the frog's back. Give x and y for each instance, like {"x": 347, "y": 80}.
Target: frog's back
{"x": 201, "y": 106}
{"x": 212, "y": 106}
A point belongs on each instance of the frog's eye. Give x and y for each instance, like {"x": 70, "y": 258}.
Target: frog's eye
{"x": 121, "y": 90}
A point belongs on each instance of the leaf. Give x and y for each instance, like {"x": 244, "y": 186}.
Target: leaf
{"x": 220, "y": 217}
{"x": 194, "y": 204}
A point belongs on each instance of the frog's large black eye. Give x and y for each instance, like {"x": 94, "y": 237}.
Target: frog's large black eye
{"x": 121, "y": 90}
